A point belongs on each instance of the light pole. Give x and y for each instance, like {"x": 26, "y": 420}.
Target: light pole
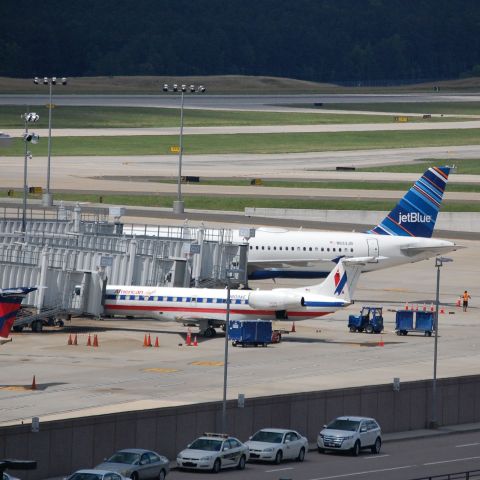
{"x": 439, "y": 261}
{"x": 229, "y": 273}
{"x": 178, "y": 205}
{"x": 47, "y": 197}
{"x": 27, "y": 138}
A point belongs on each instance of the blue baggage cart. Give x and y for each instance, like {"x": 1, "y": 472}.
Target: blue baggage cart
{"x": 404, "y": 322}
{"x": 250, "y": 332}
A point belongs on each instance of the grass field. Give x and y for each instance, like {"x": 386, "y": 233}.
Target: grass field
{"x": 464, "y": 166}
{"x": 250, "y": 143}
{"x": 239, "y": 203}
{"x": 446, "y": 108}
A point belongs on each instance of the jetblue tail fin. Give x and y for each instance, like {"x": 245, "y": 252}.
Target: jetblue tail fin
{"x": 416, "y": 213}
{"x": 10, "y": 301}
{"x": 342, "y": 280}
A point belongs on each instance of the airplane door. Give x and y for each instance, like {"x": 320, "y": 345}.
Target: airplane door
{"x": 372, "y": 244}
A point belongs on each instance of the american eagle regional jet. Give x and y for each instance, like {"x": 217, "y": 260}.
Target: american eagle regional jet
{"x": 403, "y": 236}
{"x": 207, "y": 307}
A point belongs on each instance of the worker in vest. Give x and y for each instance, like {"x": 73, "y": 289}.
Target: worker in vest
{"x": 465, "y": 297}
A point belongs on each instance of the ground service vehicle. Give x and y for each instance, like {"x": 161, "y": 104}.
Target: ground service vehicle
{"x": 137, "y": 464}
{"x": 250, "y": 333}
{"x": 277, "y": 444}
{"x": 350, "y": 434}
{"x": 370, "y": 320}
{"x": 214, "y": 451}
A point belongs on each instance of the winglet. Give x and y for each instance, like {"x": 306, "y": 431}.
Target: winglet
{"x": 416, "y": 213}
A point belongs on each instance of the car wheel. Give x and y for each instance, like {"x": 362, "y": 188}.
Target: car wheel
{"x": 278, "y": 457}
{"x": 356, "y": 449}
{"x": 353, "y": 329}
{"x": 377, "y": 445}
{"x": 321, "y": 450}
{"x": 162, "y": 475}
{"x": 134, "y": 476}
{"x": 301, "y": 455}
{"x": 241, "y": 463}
{"x": 369, "y": 328}
{"x": 216, "y": 466}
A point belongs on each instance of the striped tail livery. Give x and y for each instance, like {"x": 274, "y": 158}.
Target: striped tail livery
{"x": 10, "y": 304}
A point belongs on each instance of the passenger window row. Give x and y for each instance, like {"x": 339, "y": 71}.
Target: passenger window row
{"x": 310, "y": 249}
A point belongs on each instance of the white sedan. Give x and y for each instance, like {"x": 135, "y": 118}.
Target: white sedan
{"x": 277, "y": 444}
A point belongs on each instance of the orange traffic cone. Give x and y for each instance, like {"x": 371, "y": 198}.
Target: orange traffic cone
{"x": 156, "y": 342}
{"x": 424, "y": 307}
{"x": 149, "y": 340}
{"x": 70, "y": 340}
{"x": 442, "y": 310}
{"x": 89, "y": 341}
{"x": 381, "y": 343}
{"x": 189, "y": 338}
{"x": 34, "y": 384}
{"x": 293, "y": 328}
{"x": 431, "y": 307}
{"x": 406, "y": 305}
{"x": 458, "y": 302}
{"x": 145, "y": 341}
{"x": 195, "y": 343}
{"x": 95, "y": 340}
{"x": 75, "y": 340}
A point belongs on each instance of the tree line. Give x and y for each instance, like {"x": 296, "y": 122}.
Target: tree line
{"x": 320, "y": 40}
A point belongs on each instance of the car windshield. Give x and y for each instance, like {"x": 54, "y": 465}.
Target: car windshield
{"x": 125, "y": 457}
{"x": 85, "y": 476}
{"x": 268, "y": 437}
{"x": 348, "y": 425}
{"x": 207, "y": 444}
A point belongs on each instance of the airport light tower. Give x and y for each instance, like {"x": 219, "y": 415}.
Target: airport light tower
{"x": 47, "y": 197}
{"x": 178, "y": 205}
{"x": 28, "y": 137}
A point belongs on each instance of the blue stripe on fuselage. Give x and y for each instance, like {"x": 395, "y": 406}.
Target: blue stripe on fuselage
{"x": 265, "y": 274}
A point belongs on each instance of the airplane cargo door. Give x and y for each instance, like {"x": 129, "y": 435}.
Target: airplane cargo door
{"x": 372, "y": 244}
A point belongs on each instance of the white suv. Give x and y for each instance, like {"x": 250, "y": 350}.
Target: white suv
{"x": 351, "y": 433}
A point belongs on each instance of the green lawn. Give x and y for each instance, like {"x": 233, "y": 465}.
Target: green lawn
{"x": 464, "y": 166}
{"x": 132, "y": 117}
{"x": 239, "y": 203}
{"x": 250, "y": 143}
{"x": 450, "y": 108}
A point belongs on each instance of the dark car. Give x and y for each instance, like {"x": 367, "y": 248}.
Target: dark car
{"x": 137, "y": 464}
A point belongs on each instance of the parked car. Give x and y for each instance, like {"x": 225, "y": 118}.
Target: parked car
{"x": 92, "y": 474}
{"x": 137, "y": 464}
{"x": 214, "y": 451}
{"x": 7, "y": 476}
{"x": 277, "y": 444}
{"x": 351, "y": 433}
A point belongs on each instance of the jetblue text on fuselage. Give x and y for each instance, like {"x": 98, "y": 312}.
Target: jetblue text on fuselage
{"x": 413, "y": 217}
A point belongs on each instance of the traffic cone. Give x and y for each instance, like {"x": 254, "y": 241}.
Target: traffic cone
{"x": 458, "y": 302}
{"x": 442, "y": 310}
{"x": 156, "y": 342}
{"x": 145, "y": 341}
{"x": 95, "y": 340}
{"x": 189, "y": 338}
{"x": 89, "y": 341}
{"x": 149, "y": 340}
{"x": 70, "y": 340}
{"x": 416, "y": 308}
{"x": 34, "y": 384}
{"x": 406, "y": 305}
{"x": 424, "y": 307}
{"x": 381, "y": 343}
{"x": 431, "y": 307}
{"x": 293, "y": 328}
{"x": 195, "y": 343}
{"x": 75, "y": 340}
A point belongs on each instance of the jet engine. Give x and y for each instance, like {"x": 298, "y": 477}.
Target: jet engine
{"x": 273, "y": 300}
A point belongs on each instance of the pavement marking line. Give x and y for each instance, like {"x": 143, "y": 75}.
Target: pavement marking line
{"x": 452, "y": 461}
{"x": 376, "y": 456}
{"x": 467, "y": 445}
{"x": 207, "y": 364}
{"x": 343, "y": 475}
{"x": 160, "y": 370}
{"x": 279, "y": 470}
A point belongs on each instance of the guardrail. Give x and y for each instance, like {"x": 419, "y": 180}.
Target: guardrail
{"x": 453, "y": 476}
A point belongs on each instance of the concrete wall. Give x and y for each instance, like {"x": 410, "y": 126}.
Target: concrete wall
{"x": 450, "y": 221}
{"x": 60, "y": 447}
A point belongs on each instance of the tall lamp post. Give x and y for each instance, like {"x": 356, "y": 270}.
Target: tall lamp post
{"x": 178, "y": 205}
{"x": 27, "y": 138}
{"x": 439, "y": 261}
{"x": 47, "y": 197}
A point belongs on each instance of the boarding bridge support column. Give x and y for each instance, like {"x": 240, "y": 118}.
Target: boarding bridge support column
{"x": 77, "y": 218}
{"x": 43, "y": 279}
{"x": 132, "y": 252}
{"x": 198, "y": 257}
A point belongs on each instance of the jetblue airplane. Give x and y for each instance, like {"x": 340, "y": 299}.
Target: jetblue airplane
{"x": 207, "y": 307}
{"x": 10, "y": 304}
{"x": 403, "y": 236}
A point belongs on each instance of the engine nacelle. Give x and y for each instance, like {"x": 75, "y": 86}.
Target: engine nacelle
{"x": 272, "y": 300}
